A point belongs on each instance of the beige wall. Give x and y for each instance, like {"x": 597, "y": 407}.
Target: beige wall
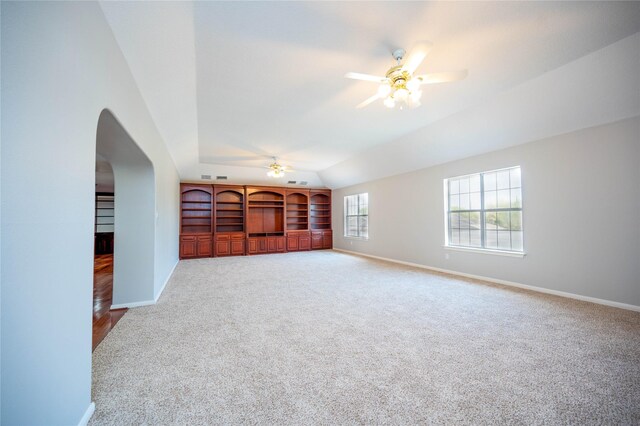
{"x": 581, "y": 199}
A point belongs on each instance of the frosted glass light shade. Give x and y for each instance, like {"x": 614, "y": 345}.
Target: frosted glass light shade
{"x": 401, "y": 94}
{"x": 384, "y": 90}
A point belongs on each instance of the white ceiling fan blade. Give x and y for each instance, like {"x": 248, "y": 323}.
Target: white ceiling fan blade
{"x": 368, "y": 101}
{"x": 442, "y": 77}
{"x": 416, "y": 56}
{"x": 364, "y": 77}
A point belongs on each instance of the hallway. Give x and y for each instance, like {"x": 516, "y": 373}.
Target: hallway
{"x": 104, "y": 319}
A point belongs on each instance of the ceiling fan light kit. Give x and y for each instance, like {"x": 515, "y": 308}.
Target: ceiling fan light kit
{"x": 276, "y": 170}
{"x": 399, "y": 86}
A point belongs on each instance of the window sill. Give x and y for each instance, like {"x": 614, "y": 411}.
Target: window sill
{"x": 487, "y": 251}
{"x": 348, "y": 237}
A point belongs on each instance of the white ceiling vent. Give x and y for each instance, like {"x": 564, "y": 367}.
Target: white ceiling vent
{"x": 303, "y": 182}
{"x": 221, "y": 178}
{"x": 207, "y": 177}
{"x": 292, "y": 182}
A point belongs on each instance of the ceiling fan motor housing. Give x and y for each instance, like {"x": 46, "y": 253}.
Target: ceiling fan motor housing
{"x": 398, "y": 77}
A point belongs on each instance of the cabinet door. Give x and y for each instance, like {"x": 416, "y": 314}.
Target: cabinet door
{"x": 280, "y": 242}
{"x": 223, "y": 248}
{"x": 204, "y": 246}
{"x": 252, "y": 245}
{"x": 272, "y": 244}
{"x": 327, "y": 239}
{"x": 316, "y": 240}
{"x": 262, "y": 245}
{"x": 188, "y": 247}
{"x": 292, "y": 242}
{"x": 304, "y": 242}
{"x": 237, "y": 247}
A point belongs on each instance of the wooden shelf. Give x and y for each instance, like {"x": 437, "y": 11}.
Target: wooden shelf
{"x": 227, "y": 220}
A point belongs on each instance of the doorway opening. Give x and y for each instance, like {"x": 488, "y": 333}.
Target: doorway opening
{"x": 104, "y": 318}
{"x": 124, "y": 232}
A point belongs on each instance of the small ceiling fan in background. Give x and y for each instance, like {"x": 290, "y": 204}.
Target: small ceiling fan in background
{"x": 400, "y": 86}
{"x": 277, "y": 170}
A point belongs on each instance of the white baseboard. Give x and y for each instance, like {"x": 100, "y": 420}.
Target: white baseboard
{"x": 166, "y": 281}
{"x": 133, "y": 304}
{"x": 503, "y": 282}
{"x": 147, "y": 302}
{"x": 87, "y": 414}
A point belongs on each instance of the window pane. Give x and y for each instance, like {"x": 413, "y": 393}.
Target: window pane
{"x": 489, "y": 181}
{"x": 474, "y": 220}
{"x": 504, "y": 240}
{"x": 503, "y": 179}
{"x": 515, "y": 177}
{"x": 474, "y": 183}
{"x": 363, "y": 200}
{"x": 474, "y": 199}
{"x": 516, "y": 198}
{"x": 474, "y": 238}
{"x": 491, "y": 239}
{"x": 502, "y": 220}
{"x": 464, "y": 237}
{"x": 364, "y": 226}
{"x": 503, "y": 199}
{"x": 454, "y": 220}
{"x": 464, "y": 201}
{"x": 516, "y": 221}
{"x": 490, "y": 201}
{"x": 454, "y": 186}
{"x": 464, "y": 185}
{"x": 464, "y": 220}
{"x": 490, "y": 220}
{"x": 352, "y": 226}
{"x": 516, "y": 240}
{"x": 352, "y": 203}
{"x": 454, "y": 202}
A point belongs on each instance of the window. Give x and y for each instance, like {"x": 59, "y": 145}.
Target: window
{"x": 484, "y": 210}
{"x": 356, "y": 215}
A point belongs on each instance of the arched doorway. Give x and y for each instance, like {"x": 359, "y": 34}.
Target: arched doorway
{"x": 133, "y": 213}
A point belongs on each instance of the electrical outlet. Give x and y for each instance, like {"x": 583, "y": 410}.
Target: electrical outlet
{"x": 446, "y": 256}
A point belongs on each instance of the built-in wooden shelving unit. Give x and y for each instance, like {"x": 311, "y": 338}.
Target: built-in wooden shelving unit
{"x": 232, "y": 220}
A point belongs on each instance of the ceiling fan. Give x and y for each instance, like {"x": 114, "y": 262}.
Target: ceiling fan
{"x": 400, "y": 85}
{"x": 276, "y": 170}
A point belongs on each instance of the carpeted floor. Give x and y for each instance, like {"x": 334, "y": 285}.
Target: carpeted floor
{"x": 329, "y": 338}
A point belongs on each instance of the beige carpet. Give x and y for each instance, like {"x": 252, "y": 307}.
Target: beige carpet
{"x": 329, "y": 338}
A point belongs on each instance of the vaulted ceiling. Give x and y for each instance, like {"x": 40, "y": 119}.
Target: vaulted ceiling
{"x": 232, "y": 84}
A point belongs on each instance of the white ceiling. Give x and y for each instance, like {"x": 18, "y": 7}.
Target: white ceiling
{"x": 230, "y": 84}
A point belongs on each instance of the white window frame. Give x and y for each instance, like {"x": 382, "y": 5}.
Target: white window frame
{"x": 483, "y": 211}
{"x": 346, "y": 216}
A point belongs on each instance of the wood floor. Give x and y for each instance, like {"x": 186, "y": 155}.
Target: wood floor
{"x": 104, "y": 319}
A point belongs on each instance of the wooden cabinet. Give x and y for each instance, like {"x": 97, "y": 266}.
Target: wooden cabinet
{"x": 262, "y": 245}
{"x": 297, "y": 212}
{"x": 298, "y": 240}
{"x": 320, "y": 219}
{"x": 265, "y": 219}
{"x": 229, "y": 244}
{"x": 233, "y": 220}
{"x": 321, "y": 239}
{"x": 192, "y": 246}
{"x": 196, "y": 221}
{"x": 229, "y": 224}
